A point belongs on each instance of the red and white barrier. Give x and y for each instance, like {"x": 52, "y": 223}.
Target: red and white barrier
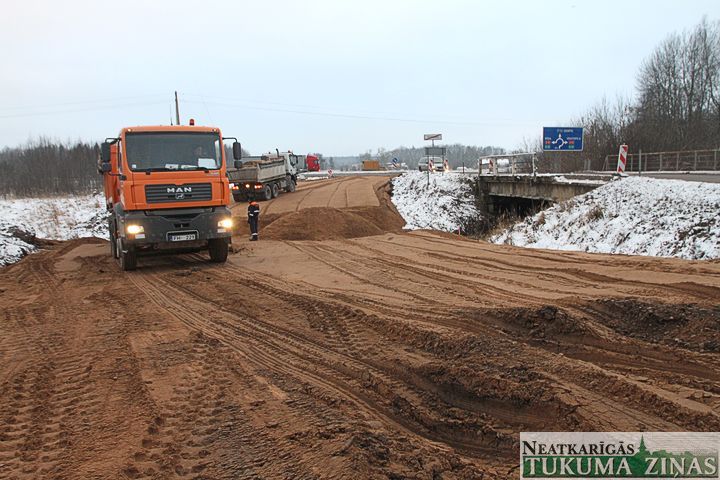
{"x": 622, "y": 159}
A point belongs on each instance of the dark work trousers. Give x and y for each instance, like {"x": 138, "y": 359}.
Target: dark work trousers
{"x": 253, "y": 221}
{"x": 253, "y": 217}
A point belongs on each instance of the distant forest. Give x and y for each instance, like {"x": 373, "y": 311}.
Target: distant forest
{"x": 44, "y": 167}
{"x": 457, "y": 155}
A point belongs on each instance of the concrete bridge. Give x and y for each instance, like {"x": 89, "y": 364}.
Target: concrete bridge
{"x": 521, "y": 193}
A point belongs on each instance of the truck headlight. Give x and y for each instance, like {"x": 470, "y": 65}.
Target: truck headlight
{"x": 225, "y": 223}
{"x": 134, "y": 229}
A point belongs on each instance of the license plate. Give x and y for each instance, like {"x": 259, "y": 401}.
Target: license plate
{"x": 183, "y": 237}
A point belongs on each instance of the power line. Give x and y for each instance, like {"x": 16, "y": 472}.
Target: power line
{"x": 77, "y": 110}
{"x": 367, "y": 117}
{"x": 82, "y": 102}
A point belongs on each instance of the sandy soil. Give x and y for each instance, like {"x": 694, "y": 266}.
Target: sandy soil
{"x": 396, "y": 355}
{"x": 339, "y": 192}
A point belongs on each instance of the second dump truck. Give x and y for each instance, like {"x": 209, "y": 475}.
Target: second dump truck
{"x": 263, "y": 177}
{"x": 166, "y": 189}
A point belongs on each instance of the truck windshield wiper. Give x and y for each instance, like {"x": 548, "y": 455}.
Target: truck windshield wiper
{"x": 155, "y": 169}
{"x": 194, "y": 167}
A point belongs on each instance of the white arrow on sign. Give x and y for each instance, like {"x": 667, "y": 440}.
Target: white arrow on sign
{"x": 433, "y": 136}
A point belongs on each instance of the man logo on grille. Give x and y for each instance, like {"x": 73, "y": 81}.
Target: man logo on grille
{"x": 179, "y": 196}
{"x": 179, "y": 189}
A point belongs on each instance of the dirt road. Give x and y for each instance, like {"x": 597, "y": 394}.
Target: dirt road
{"x": 397, "y": 355}
{"x": 340, "y": 192}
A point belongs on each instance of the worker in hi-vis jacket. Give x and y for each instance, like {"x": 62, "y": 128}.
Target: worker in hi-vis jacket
{"x": 253, "y": 217}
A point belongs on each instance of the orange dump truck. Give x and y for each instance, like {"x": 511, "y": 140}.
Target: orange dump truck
{"x": 371, "y": 165}
{"x": 166, "y": 189}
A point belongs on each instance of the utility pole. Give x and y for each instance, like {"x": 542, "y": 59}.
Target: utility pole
{"x": 177, "y": 110}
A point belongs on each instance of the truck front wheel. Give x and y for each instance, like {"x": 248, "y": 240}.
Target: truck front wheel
{"x": 113, "y": 240}
{"x": 290, "y": 184}
{"x": 128, "y": 258}
{"x": 218, "y": 248}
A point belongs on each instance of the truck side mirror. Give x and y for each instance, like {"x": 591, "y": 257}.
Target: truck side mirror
{"x": 105, "y": 167}
{"x": 105, "y": 152}
{"x": 237, "y": 151}
{"x": 238, "y": 163}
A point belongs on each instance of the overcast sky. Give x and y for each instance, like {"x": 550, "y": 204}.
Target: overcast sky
{"x": 330, "y": 76}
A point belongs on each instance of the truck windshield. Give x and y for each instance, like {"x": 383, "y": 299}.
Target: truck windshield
{"x": 173, "y": 151}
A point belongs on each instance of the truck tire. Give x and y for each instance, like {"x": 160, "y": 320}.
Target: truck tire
{"x": 266, "y": 193}
{"x": 290, "y": 184}
{"x": 128, "y": 259}
{"x": 218, "y": 248}
{"x": 113, "y": 240}
{"x": 275, "y": 190}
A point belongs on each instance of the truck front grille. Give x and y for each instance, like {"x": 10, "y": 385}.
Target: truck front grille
{"x": 189, "y": 192}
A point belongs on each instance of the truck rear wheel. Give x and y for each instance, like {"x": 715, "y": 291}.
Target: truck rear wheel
{"x": 128, "y": 258}
{"x": 275, "y": 190}
{"x": 218, "y": 248}
{"x": 267, "y": 193}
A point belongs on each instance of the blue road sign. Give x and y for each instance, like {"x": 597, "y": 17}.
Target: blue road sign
{"x": 563, "y": 138}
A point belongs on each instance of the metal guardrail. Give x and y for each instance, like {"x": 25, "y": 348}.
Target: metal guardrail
{"x": 508, "y": 164}
{"x": 689, "y": 160}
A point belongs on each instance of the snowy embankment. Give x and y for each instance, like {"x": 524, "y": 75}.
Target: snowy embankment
{"x": 446, "y": 204}
{"x": 636, "y": 216}
{"x": 24, "y": 220}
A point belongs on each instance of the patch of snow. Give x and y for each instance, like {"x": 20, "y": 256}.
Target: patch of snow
{"x": 53, "y": 218}
{"x": 12, "y": 248}
{"x": 446, "y": 204}
{"x": 587, "y": 181}
{"x": 636, "y": 216}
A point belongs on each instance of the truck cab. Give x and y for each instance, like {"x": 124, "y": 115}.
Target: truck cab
{"x": 166, "y": 188}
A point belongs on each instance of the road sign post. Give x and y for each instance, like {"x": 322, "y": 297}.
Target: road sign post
{"x": 563, "y": 139}
{"x": 432, "y": 151}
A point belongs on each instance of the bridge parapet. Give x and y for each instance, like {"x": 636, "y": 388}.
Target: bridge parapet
{"x": 540, "y": 188}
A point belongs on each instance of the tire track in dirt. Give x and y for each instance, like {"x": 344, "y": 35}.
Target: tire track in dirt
{"x": 606, "y": 340}
{"x": 498, "y": 410}
{"x": 345, "y": 257}
{"x": 336, "y": 377}
{"x": 50, "y": 401}
{"x": 436, "y": 280}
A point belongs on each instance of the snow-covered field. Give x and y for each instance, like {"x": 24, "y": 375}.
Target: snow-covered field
{"x": 53, "y": 218}
{"x": 637, "y": 216}
{"x": 444, "y": 205}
